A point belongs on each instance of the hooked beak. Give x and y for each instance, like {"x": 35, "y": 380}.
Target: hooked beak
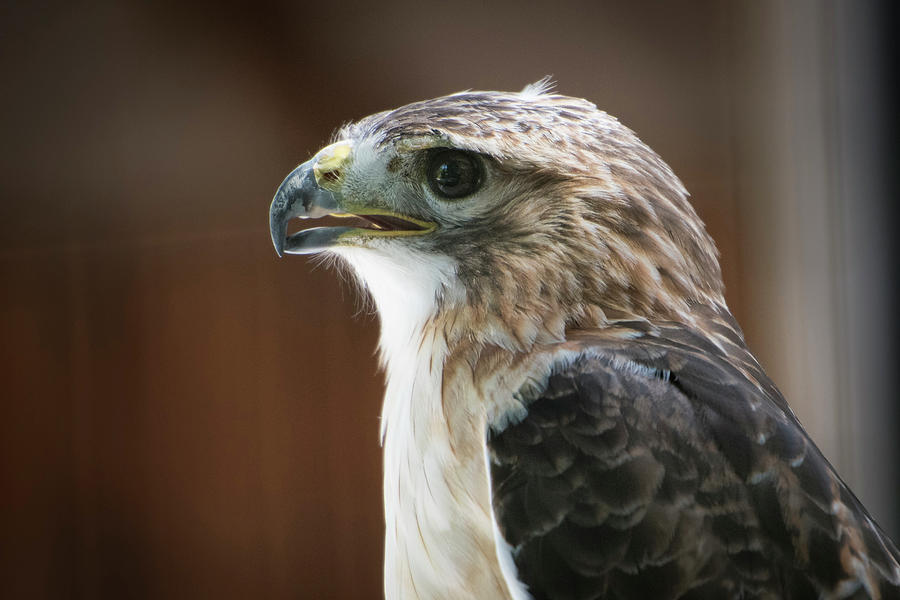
{"x": 299, "y": 195}
{"x": 312, "y": 191}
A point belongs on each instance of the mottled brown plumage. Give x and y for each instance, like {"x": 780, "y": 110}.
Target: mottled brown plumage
{"x": 581, "y": 192}
{"x": 571, "y": 410}
{"x": 683, "y": 480}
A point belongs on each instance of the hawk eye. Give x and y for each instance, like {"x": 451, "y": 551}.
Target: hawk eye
{"x": 453, "y": 173}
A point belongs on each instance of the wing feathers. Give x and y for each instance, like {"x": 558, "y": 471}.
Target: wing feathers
{"x": 656, "y": 466}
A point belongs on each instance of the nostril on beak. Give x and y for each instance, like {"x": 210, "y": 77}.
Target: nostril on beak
{"x": 330, "y": 163}
{"x": 331, "y": 176}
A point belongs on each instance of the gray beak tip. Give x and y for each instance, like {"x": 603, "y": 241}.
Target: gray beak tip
{"x": 277, "y": 227}
{"x": 298, "y": 196}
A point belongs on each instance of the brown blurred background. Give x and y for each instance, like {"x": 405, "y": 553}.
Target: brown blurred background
{"x": 186, "y": 416}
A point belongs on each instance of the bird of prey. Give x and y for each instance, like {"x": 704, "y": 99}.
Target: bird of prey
{"x": 571, "y": 410}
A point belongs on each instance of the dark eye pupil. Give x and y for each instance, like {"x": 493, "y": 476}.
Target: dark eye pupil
{"x": 454, "y": 174}
{"x": 448, "y": 174}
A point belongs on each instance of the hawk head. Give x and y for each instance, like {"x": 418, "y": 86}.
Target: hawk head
{"x": 518, "y": 214}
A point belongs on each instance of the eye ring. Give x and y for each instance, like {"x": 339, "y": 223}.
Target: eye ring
{"x": 454, "y": 174}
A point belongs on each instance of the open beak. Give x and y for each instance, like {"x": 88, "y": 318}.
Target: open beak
{"x": 301, "y": 195}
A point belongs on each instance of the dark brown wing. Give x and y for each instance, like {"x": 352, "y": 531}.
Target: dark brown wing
{"x": 657, "y": 466}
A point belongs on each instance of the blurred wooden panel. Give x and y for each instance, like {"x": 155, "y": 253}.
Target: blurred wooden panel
{"x": 199, "y": 419}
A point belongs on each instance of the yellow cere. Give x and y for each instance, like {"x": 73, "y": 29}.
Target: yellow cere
{"x": 329, "y": 163}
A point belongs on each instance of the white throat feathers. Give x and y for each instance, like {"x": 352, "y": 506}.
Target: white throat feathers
{"x": 439, "y": 540}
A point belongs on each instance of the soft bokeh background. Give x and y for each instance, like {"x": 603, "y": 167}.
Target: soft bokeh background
{"x": 186, "y": 416}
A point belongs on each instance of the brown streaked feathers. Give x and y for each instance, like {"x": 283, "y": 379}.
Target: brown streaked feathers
{"x": 589, "y": 210}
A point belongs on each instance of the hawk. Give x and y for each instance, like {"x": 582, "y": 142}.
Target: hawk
{"x": 571, "y": 410}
